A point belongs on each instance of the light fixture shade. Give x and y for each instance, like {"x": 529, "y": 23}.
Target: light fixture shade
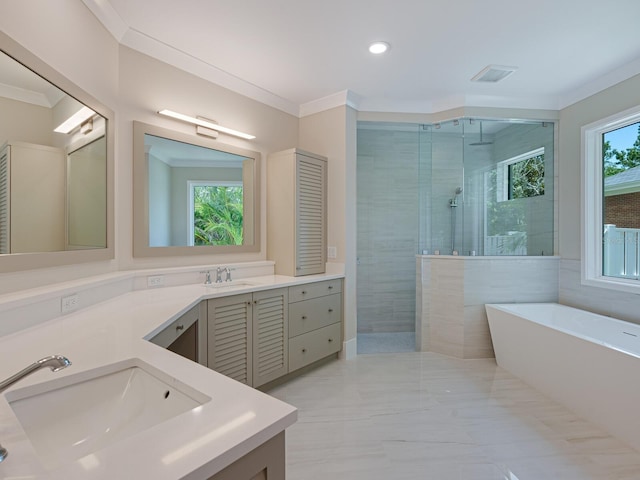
{"x": 75, "y": 120}
{"x": 205, "y": 124}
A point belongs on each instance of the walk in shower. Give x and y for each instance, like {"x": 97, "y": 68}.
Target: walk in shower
{"x": 464, "y": 187}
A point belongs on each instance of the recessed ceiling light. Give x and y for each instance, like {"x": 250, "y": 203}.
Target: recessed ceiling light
{"x": 378, "y": 47}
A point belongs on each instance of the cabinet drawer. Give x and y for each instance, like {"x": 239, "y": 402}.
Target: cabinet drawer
{"x": 313, "y": 314}
{"x": 176, "y": 328}
{"x": 312, "y": 346}
{"x": 312, "y": 290}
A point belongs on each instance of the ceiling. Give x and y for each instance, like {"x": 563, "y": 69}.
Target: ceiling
{"x": 300, "y": 55}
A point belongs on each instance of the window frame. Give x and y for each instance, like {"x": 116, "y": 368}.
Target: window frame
{"x": 191, "y": 185}
{"x": 592, "y": 205}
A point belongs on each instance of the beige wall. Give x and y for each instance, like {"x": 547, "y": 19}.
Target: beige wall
{"x": 332, "y": 133}
{"x": 613, "y": 100}
{"x": 135, "y": 87}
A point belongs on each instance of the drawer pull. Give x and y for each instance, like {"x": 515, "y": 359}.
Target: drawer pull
{"x": 304, "y": 317}
{"x": 330, "y": 287}
{"x": 330, "y": 340}
{"x": 331, "y": 310}
{"x": 179, "y": 327}
{"x": 304, "y": 350}
{"x": 304, "y": 292}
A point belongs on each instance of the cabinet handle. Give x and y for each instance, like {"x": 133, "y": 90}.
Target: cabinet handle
{"x": 331, "y": 310}
{"x": 304, "y": 317}
{"x": 248, "y": 303}
{"x": 304, "y": 350}
{"x": 179, "y": 327}
{"x": 330, "y": 340}
{"x": 330, "y": 287}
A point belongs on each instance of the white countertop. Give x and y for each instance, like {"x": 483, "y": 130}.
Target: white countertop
{"x": 186, "y": 446}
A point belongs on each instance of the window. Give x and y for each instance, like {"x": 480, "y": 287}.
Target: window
{"x": 611, "y": 202}
{"x": 521, "y": 176}
{"x": 216, "y": 213}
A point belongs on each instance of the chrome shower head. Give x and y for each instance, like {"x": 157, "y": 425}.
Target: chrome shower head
{"x": 481, "y": 142}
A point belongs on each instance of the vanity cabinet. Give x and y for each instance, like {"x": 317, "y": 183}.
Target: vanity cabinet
{"x": 297, "y": 212}
{"x": 247, "y": 336}
{"x": 184, "y": 336}
{"x": 315, "y": 322}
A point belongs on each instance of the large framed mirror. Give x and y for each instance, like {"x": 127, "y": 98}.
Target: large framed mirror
{"x": 56, "y": 167}
{"x": 193, "y": 195}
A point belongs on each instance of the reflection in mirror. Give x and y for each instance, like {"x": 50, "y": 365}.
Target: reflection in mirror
{"x": 193, "y": 195}
{"x": 53, "y": 166}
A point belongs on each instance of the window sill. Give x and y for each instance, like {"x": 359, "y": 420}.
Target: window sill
{"x": 613, "y": 283}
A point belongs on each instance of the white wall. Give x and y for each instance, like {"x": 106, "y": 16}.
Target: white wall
{"x": 615, "y": 99}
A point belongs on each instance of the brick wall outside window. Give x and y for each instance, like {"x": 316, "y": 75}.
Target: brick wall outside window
{"x": 623, "y": 211}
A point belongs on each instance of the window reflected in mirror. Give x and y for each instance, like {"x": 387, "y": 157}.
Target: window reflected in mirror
{"x": 193, "y": 195}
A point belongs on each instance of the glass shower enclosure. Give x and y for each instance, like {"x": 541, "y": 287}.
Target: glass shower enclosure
{"x": 487, "y": 188}
{"x": 467, "y": 186}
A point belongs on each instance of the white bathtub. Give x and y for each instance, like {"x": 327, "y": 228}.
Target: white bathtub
{"x": 588, "y": 362}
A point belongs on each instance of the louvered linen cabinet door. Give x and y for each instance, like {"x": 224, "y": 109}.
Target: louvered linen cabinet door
{"x": 230, "y": 336}
{"x": 297, "y": 212}
{"x": 270, "y": 335}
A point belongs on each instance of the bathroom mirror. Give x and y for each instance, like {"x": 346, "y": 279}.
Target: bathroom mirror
{"x": 56, "y": 167}
{"x": 193, "y": 195}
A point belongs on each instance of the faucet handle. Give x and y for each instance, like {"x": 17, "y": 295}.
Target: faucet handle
{"x": 207, "y": 278}
{"x": 228, "y": 278}
{"x": 218, "y": 275}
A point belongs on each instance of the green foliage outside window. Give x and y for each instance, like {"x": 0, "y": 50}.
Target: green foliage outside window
{"x": 217, "y": 215}
{"x": 526, "y": 178}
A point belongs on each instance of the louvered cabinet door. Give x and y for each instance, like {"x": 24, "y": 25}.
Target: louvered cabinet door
{"x": 297, "y": 212}
{"x": 230, "y": 336}
{"x": 311, "y": 214}
{"x": 270, "y": 335}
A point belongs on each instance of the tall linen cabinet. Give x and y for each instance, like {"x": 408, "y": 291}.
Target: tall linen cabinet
{"x": 297, "y": 212}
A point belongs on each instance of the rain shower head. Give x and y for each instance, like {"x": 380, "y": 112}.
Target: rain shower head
{"x": 477, "y": 144}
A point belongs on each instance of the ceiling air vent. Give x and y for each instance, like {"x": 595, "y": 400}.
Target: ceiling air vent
{"x": 494, "y": 73}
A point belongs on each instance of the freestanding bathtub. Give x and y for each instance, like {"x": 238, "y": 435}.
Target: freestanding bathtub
{"x": 588, "y": 362}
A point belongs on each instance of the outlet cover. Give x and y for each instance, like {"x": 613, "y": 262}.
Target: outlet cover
{"x": 70, "y": 303}
{"x": 155, "y": 281}
{"x": 332, "y": 252}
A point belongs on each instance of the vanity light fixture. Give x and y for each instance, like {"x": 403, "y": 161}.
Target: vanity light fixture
{"x": 378, "y": 48}
{"x": 75, "y": 120}
{"x": 206, "y": 124}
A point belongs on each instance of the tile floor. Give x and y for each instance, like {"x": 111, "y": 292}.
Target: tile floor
{"x": 426, "y": 416}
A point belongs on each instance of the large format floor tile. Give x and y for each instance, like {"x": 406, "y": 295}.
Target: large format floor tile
{"x": 428, "y": 416}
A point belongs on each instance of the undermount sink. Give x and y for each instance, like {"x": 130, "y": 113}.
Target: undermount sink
{"x": 232, "y": 284}
{"x": 77, "y": 415}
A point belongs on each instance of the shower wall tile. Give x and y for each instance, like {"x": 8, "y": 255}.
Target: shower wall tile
{"x": 387, "y": 231}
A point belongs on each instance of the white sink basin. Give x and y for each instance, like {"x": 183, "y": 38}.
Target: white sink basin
{"x": 76, "y": 415}
{"x": 232, "y": 284}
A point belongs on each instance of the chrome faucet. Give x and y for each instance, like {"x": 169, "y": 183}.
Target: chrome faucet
{"x": 54, "y": 362}
{"x": 219, "y": 275}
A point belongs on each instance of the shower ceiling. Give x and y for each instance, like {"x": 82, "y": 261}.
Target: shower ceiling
{"x": 290, "y": 54}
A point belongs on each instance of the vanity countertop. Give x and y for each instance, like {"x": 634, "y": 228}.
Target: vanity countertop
{"x": 193, "y": 445}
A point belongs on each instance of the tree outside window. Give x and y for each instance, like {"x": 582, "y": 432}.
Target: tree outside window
{"x": 217, "y": 213}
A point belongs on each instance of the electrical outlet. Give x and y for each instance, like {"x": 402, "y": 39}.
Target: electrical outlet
{"x": 332, "y": 252}
{"x": 69, "y": 303}
{"x": 155, "y": 281}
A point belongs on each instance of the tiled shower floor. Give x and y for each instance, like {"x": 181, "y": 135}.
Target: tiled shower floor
{"x": 386, "y": 342}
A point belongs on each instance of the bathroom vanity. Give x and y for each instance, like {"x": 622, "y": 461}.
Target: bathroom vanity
{"x": 234, "y": 432}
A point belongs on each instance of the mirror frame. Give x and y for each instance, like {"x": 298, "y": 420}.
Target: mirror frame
{"x": 141, "y": 246}
{"x": 14, "y": 262}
